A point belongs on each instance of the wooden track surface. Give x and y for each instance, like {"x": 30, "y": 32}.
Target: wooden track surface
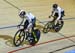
{"x": 41, "y": 9}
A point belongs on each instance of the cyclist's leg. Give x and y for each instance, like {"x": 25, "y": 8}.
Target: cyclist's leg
{"x": 26, "y": 23}
{"x": 31, "y": 26}
{"x": 60, "y": 21}
{"x": 55, "y": 17}
{"x": 62, "y": 13}
{"x": 33, "y": 23}
{"x": 27, "y": 29}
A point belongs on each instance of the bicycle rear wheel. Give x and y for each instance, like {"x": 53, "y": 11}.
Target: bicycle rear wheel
{"x": 59, "y": 26}
{"x": 19, "y": 37}
{"x": 34, "y": 37}
{"x": 38, "y": 33}
{"x": 30, "y": 38}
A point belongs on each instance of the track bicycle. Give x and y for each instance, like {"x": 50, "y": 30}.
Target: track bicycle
{"x": 50, "y": 25}
{"x": 22, "y": 35}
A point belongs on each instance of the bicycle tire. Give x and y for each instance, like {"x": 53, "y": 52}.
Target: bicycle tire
{"x": 59, "y": 27}
{"x": 33, "y": 40}
{"x": 38, "y": 33}
{"x": 30, "y": 38}
{"x": 47, "y": 27}
{"x": 21, "y": 31}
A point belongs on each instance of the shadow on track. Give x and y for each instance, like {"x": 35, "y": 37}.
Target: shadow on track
{"x": 8, "y": 40}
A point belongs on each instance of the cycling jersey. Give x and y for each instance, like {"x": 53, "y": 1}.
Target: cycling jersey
{"x": 29, "y": 16}
{"x": 58, "y": 10}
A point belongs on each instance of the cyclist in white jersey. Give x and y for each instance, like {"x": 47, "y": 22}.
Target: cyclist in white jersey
{"x": 30, "y": 19}
{"x": 58, "y": 12}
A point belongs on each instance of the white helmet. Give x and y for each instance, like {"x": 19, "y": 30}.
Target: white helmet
{"x": 22, "y": 13}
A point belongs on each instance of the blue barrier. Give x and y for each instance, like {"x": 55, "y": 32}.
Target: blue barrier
{"x": 71, "y": 51}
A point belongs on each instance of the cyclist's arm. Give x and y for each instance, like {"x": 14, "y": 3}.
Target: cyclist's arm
{"x": 21, "y": 21}
{"x": 52, "y": 14}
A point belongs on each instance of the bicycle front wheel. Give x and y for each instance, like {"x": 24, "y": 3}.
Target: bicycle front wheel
{"x": 47, "y": 27}
{"x": 19, "y": 37}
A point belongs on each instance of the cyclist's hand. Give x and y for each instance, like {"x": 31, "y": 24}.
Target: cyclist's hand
{"x": 50, "y": 16}
{"x": 18, "y": 26}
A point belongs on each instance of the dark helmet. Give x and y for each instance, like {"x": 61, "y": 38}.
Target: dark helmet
{"x": 55, "y": 5}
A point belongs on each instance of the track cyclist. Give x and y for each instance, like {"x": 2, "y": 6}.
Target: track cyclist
{"x": 29, "y": 24}
{"x": 57, "y": 13}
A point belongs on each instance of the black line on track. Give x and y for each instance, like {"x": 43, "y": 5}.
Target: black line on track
{"x": 65, "y": 37}
{"x": 62, "y": 48}
{"x": 20, "y": 9}
{"x": 12, "y": 4}
{"x": 8, "y": 27}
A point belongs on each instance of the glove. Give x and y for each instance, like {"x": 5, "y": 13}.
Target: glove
{"x": 18, "y": 26}
{"x": 50, "y": 16}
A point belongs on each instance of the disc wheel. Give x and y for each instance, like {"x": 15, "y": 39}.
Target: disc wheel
{"x": 59, "y": 26}
{"x": 34, "y": 37}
